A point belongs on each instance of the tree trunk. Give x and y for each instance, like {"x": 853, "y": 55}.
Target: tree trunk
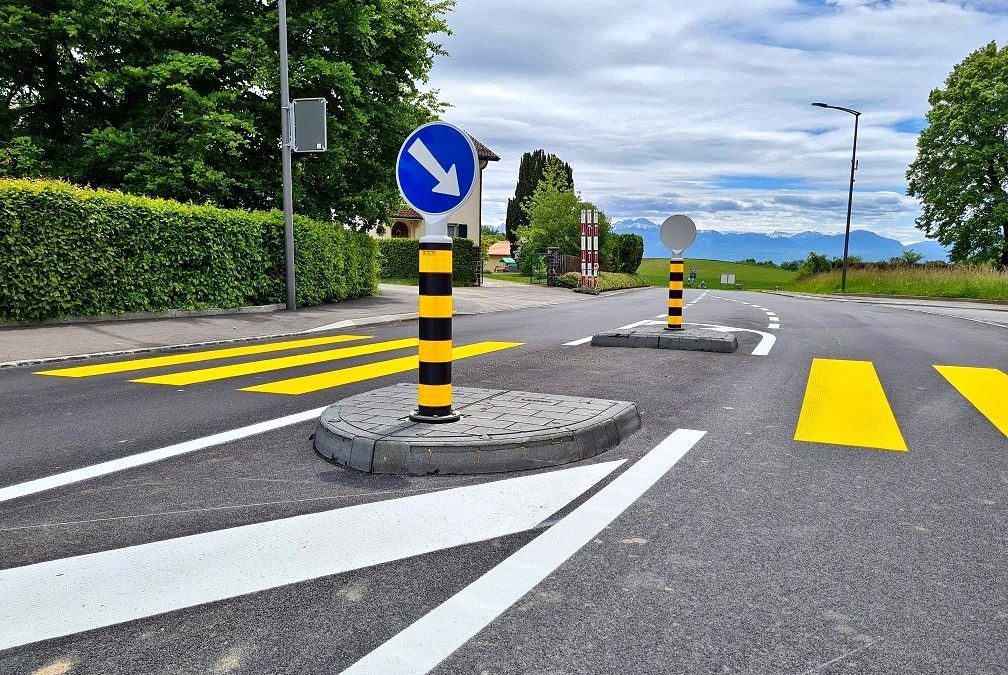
{"x": 1003, "y": 264}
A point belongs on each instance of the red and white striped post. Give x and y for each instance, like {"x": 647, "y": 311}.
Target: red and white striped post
{"x": 589, "y": 249}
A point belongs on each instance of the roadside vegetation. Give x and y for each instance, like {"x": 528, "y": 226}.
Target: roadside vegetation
{"x": 138, "y": 254}
{"x": 751, "y": 276}
{"x": 607, "y": 281}
{"x": 982, "y": 282}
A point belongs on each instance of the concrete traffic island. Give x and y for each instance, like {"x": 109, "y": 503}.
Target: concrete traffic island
{"x": 499, "y": 431}
{"x": 657, "y": 337}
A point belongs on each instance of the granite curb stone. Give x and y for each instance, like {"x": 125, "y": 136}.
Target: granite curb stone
{"x": 656, "y": 337}
{"x": 499, "y": 431}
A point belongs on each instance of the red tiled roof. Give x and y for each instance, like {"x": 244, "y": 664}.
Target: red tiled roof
{"x": 483, "y": 152}
{"x": 500, "y": 248}
{"x": 407, "y": 213}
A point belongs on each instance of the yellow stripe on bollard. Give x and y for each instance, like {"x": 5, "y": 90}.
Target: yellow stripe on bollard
{"x": 435, "y": 261}
{"x": 436, "y": 306}
{"x": 436, "y": 351}
{"x": 434, "y": 395}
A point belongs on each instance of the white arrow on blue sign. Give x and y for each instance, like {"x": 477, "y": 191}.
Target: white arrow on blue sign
{"x": 436, "y": 168}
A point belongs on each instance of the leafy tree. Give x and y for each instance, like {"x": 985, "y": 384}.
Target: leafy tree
{"x": 961, "y": 171}
{"x": 530, "y": 172}
{"x": 629, "y": 249}
{"x": 816, "y": 263}
{"x": 179, "y": 99}
{"x": 792, "y": 265}
{"x": 911, "y": 257}
{"x": 554, "y": 212}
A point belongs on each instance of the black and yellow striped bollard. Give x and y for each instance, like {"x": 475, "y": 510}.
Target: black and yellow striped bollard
{"x": 434, "y": 393}
{"x": 675, "y": 293}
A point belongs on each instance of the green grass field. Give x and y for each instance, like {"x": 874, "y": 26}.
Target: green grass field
{"x": 983, "y": 283}
{"x": 655, "y": 272}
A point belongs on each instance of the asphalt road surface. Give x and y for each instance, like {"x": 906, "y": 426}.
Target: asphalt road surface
{"x": 833, "y": 503}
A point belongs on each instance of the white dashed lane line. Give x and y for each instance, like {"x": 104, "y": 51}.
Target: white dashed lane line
{"x": 771, "y": 315}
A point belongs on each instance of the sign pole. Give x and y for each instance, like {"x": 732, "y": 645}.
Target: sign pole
{"x": 285, "y": 151}
{"x": 675, "y": 293}
{"x": 436, "y": 170}
{"x": 434, "y": 390}
{"x": 677, "y": 233}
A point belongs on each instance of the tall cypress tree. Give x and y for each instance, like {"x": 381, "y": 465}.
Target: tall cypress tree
{"x": 530, "y": 172}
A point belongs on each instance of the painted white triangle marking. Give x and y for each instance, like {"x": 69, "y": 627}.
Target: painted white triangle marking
{"x": 66, "y": 596}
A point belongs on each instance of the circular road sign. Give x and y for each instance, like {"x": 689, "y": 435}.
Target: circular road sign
{"x": 678, "y": 233}
{"x": 436, "y": 168}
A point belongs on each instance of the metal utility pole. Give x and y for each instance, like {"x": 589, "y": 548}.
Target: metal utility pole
{"x": 285, "y": 146}
{"x": 850, "y": 192}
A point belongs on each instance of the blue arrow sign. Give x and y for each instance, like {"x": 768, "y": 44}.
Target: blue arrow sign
{"x": 436, "y": 168}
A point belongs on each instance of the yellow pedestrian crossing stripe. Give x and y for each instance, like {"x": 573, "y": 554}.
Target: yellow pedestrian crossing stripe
{"x": 293, "y": 386}
{"x": 985, "y": 388}
{"x": 196, "y": 357}
{"x": 336, "y": 378}
{"x": 845, "y": 405}
{"x": 253, "y": 367}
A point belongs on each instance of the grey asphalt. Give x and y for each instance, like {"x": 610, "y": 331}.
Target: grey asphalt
{"x": 754, "y": 554}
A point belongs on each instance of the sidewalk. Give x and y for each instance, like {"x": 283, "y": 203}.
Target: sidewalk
{"x": 396, "y": 303}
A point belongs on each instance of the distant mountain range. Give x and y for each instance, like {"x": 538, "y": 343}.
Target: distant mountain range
{"x": 778, "y": 246}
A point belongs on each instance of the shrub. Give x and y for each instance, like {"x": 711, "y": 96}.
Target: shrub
{"x": 629, "y": 251}
{"x": 70, "y": 251}
{"x": 612, "y": 281}
{"x": 608, "y": 281}
{"x": 400, "y": 259}
{"x": 569, "y": 280}
{"x": 814, "y": 264}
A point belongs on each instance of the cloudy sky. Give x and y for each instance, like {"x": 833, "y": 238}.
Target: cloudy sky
{"x": 703, "y": 107}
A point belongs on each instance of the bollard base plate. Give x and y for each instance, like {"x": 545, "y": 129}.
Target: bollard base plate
{"x": 453, "y": 416}
{"x": 674, "y": 328}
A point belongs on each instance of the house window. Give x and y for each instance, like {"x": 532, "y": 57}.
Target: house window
{"x": 458, "y": 230}
{"x": 400, "y": 231}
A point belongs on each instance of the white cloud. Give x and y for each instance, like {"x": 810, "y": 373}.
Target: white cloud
{"x": 664, "y": 105}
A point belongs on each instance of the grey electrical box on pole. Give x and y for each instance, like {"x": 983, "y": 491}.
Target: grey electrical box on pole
{"x": 285, "y": 151}
{"x": 309, "y": 128}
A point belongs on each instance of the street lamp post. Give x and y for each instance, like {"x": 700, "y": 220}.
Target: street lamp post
{"x": 850, "y": 192}
{"x": 285, "y": 152}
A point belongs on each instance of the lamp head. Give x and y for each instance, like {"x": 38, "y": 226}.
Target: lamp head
{"x": 820, "y": 105}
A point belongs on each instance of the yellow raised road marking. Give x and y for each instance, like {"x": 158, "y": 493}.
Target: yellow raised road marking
{"x": 196, "y": 357}
{"x": 846, "y": 405}
{"x": 252, "y": 367}
{"x": 985, "y": 388}
{"x": 336, "y": 378}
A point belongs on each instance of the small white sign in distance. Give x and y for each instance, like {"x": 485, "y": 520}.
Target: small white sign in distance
{"x": 678, "y": 233}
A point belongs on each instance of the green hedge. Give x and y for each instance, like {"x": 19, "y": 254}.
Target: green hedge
{"x": 400, "y": 259}
{"x": 70, "y": 251}
{"x": 608, "y": 281}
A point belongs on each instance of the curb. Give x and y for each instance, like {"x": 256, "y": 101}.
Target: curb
{"x": 347, "y": 323}
{"x": 499, "y": 431}
{"x": 144, "y": 316}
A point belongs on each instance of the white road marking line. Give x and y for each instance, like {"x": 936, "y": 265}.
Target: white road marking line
{"x": 62, "y": 597}
{"x": 634, "y": 325}
{"x": 432, "y": 638}
{"x": 112, "y": 466}
{"x": 774, "y": 325}
{"x": 762, "y": 349}
{"x": 661, "y": 316}
{"x": 579, "y": 341}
